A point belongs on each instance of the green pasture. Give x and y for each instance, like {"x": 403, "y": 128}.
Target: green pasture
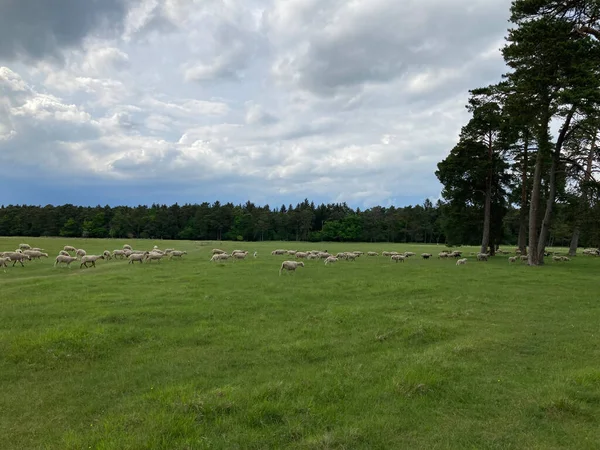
{"x": 371, "y": 354}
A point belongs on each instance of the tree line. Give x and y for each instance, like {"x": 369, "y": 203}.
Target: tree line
{"x": 438, "y": 223}
{"x": 507, "y": 158}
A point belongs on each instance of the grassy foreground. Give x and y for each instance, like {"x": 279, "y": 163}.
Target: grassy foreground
{"x": 372, "y": 354}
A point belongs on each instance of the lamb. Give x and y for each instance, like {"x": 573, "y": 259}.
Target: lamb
{"x": 372, "y": 254}
{"x": 24, "y": 246}
{"x": 64, "y": 259}
{"x": 3, "y": 262}
{"x": 80, "y": 252}
{"x": 557, "y": 258}
{"x": 512, "y": 259}
{"x": 68, "y": 248}
{"x": 461, "y": 261}
{"x": 238, "y": 251}
{"x": 18, "y": 258}
{"x": 106, "y": 254}
{"x": 85, "y": 259}
{"x": 426, "y": 255}
{"x": 398, "y": 258}
{"x": 179, "y": 254}
{"x": 312, "y": 256}
{"x": 154, "y": 256}
{"x": 565, "y": 258}
{"x": 330, "y": 259}
{"x": 292, "y": 252}
{"x": 137, "y": 257}
{"x": 220, "y": 257}
{"x": 290, "y": 266}
{"x": 127, "y": 247}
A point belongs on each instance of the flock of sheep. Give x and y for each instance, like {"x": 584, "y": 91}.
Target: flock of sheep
{"x": 70, "y": 254}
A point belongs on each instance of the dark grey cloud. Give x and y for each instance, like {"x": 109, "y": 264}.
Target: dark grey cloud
{"x": 38, "y": 29}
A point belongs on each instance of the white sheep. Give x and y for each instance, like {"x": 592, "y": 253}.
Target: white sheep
{"x": 35, "y": 254}
{"x": 398, "y": 258}
{"x": 127, "y": 247}
{"x": 85, "y": 259}
{"x": 278, "y": 252}
{"x": 482, "y": 256}
{"x": 18, "y": 258}
{"x": 80, "y": 252}
{"x": 64, "y": 253}
{"x": 69, "y": 248}
{"x": 179, "y": 254}
{"x": 37, "y": 249}
{"x": 67, "y": 259}
{"x": 3, "y": 261}
{"x": 220, "y": 257}
{"x": 290, "y": 266}
{"x": 106, "y": 255}
{"x": 154, "y": 256}
{"x": 461, "y": 261}
{"x": 137, "y": 257}
{"x": 218, "y": 251}
{"x": 512, "y": 259}
{"x": 240, "y": 255}
{"x": 330, "y": 259}
{"x": 426, "y": 255}
{"x": 119, "y": 253}
{"x": 24, "y": 246}
{"x": 169, "y": 250}
{"x": 351, "y": 256}
{"x": 372, "y": 254}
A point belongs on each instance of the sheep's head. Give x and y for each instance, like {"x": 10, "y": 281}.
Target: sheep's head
{"x": 301, "y": 264}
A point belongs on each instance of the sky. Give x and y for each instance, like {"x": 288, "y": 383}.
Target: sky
{"x": 126, "y": 102}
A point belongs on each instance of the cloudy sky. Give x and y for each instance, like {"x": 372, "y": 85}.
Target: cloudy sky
{"x": 273, "y": 101}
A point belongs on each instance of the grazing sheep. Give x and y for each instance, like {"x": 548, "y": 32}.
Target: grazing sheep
{"x": 24, "y": 246}
{"x": 18, "y": 258}
{"x": 482, "y": 256}
{"x": 220, "y": 257}
{"x": 290, "y": 266}
{"x": 65, "y": 259}
{"x": 330, "y": 259}
{"x": 80, "y": 252}
{"x": 426, "y": 255}
{"x": 106, "y": 255}
{"x": 85, "y": 259}
{"x": 179, "y": 254}
{"x": 137, "y": 257}
{"x": 397, "y": 258}
{"x": 461, "y": 261}
{"x": 69, "y": 248}
{"x": 372, "y": 254}
{"x": 127, "y": 247}
{"x": 512, "y": 259}
{"x": 154, "y": 256}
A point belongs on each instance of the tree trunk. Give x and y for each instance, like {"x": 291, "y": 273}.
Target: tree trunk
{"x": 534, "y": 203}
{"x": 487, "y": 210}
{"x": 584, "y": 199}
{"x": 552, "y": 186}
{"x": 523, "y": 211}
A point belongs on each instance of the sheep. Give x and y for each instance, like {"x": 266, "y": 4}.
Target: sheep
{"x": 169, "y": 250}
{"x": 372, "y": 254}
{"x": 358, "y": 253}
{"x": 292, "y": 252}
{"x": 398, "y": 258}
{"x": 341, "y": 255}
{"x": 255, "y": 254}
{"x": 3, "y": 262}
{"x": 65, "y": 259}
{"x": 127, "y": 247}
{"x": 239, "y": 255}
{"x": 290, "y": 266}
{"x": 312, "y": 256}
{"x": 523, "y": 257}
{"x": 512, "y": 259}
{"x": 35, "y": 254}
{"x": 106, "y": 255}
{"x": 220, "y": 257}
{"x": 64, "y": 253}
{"x": 85, "y": 259}
{"x": 218, "y": 251}
{"x": 37, "y": 249}
{"x": 455, "y": 254}
{"x": 137, "y": 257}
{"x": 409, "y": 253}
{"x": 24, "y": 246}
{"x": 119, "y": 253}
{"x": 238, "y": 251}
{"x": 426, "y": 255}
{"x": 482, "y": 256}
{"x": 278, "y": 252}
{"x": 80, "y": 252}
{"x": 301, "y": 255}
{"x": 179, "y": 254}
{"x": 330, "y": 259}
{"x": 18, "y": 258}
{"x": 386, "y": 254}
{"x": 461, "y": 261}
{"x": 154, "y": 256}
{"x": 565, "y": 258}
{"x": 69, "y": 248}
{"x": 443, "y": 255}
{"x": 324, "y": 255}
{"x": 350, "y": 256}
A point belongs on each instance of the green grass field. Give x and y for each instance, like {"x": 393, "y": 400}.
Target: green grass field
{"x": 357, "y": 355}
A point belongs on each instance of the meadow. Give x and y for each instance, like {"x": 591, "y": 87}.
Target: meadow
{"x": 188, "y": 354}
